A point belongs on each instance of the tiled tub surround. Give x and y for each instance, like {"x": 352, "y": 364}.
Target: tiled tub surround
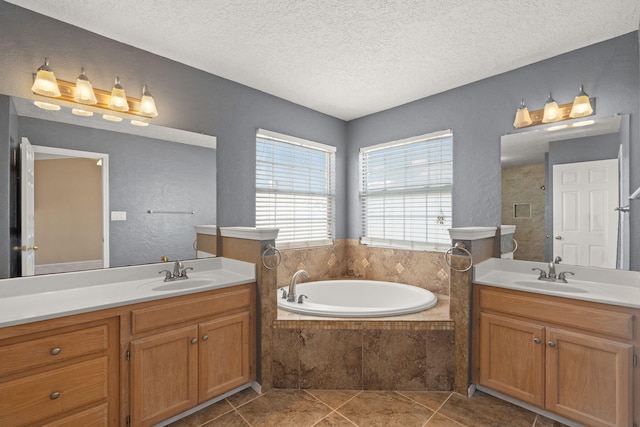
{"x": 411, "y": 352}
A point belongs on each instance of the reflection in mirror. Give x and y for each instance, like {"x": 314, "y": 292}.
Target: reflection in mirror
{"x": 562, "y": 188}
{"x": 169, "y": 172}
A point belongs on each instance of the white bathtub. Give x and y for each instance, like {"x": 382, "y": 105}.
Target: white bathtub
{"x": 358, "y": 298}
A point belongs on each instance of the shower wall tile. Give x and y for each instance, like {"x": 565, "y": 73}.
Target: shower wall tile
{"x": 331, "y": 359}
{"x": 394, "y": 360}
{"x": 525, "y": 185}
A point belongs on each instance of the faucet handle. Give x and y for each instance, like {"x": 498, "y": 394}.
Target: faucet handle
{"x": 183, "y": 273}
{"x": 300, "y": 300}
{"x": 168, "y": 275}
{"x": 284, "y": 293}
{"x": 562, "y": 274}
{"x": 543, "y": 274}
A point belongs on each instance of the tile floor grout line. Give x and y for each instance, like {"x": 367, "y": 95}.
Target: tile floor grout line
{"x": 243, "y": 418}
{"x": 535, "y": 420}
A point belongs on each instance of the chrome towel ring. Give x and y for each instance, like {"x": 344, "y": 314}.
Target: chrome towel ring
{"x": 276, "y": 252}
{"x": 447, "y": 256}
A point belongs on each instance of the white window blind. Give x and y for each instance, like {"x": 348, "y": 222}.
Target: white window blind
{"x": 406, "y": 192}
{"x": 295, "y": 189}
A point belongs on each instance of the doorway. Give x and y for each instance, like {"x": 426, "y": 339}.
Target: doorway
{"x": 69, "y": 226}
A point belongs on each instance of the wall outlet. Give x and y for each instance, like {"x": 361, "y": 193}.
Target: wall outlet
{"x": 118, "y": 215}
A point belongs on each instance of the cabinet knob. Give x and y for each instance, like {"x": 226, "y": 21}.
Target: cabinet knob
{"x": 54, "y": 395}
{"x": 551, "y": 344}
{"x": 537, "y": 340}
{"x": 558, "y": 237}
{"x": 55, "y": 351}
{"x": 206, "y": 337}
{"x": 194, "y": 341}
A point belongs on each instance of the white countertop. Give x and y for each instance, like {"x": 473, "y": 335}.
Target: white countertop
{"x": 30, "y": 299}
{"x": 617, "y": 287}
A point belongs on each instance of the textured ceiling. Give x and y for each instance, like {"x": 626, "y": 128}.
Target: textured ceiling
{"x": 350, "y": 58}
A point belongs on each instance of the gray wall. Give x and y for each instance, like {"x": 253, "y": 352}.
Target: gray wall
{"x": 144, "y": 174}
{"x": 479, "y": 113}
{"x": 187, "y": 99}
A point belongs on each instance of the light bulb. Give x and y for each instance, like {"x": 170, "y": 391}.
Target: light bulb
{"x": 118, "y": 99}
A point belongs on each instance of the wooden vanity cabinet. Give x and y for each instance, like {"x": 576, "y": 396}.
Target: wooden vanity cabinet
{"x": 189, "y": 350}
{"x": 573, "y": 358}
{"x": 62, "y": 376}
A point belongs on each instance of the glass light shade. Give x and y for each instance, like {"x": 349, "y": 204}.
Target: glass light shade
{"x": 45, "y": 83}
{"x": 523, "y": 118}
{"x": 84, "y": 113}
{"x": 147, "y": 104}
{"x": 581, "y": 105}
{"x": 84, "y": 90}
{"x": 118, "y": 99}
{"x": 139, "y": 123}
{"x": 112, "y": 118}
{"x": 47, "y": 106}
{"x": 551, "y": 111}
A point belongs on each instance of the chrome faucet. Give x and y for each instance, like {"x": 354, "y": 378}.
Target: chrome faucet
{"x": 179, "y": 272}
{"x": 551, "y": 275}
{"x": 291, "y": 295}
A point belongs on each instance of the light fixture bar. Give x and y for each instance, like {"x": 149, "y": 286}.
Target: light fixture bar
{"x": 67, "y": 91}
{"x": 536, "y": 116}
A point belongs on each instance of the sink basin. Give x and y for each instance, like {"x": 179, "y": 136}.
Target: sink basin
{"x": 549, "y": 286}
{"x": 183, "y": 284}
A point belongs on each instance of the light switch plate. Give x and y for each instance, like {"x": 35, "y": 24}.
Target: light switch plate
{"x": 118, "y": 215}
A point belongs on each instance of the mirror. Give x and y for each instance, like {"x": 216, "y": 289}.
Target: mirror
{"x": 161, "y": 181}
{"x": 555, "y": 176}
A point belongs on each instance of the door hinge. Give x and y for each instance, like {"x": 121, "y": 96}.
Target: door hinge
{"x": 128, "y": 420}
{"x": 635, "y": 360}
{"x": 127, "y": 355}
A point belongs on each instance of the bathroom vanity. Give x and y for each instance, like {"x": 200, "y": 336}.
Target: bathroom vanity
{"x": 567, "y": 348}
{"x": 138, "y": 352}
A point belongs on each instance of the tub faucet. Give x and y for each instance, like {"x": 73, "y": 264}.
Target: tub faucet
{"x": 291, "y": 295}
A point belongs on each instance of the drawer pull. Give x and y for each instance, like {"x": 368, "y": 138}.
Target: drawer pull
{"x": 552, "y": 344}
{"x": 54, "y": 395}
{"x": 55, "y": 351}
{"x": 206, "y": 337}
{"x": 194, "y": 341}
{"x": 537, "y": 340}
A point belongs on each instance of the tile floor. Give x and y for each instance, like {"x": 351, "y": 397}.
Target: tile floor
{"x": 324, "y": 408}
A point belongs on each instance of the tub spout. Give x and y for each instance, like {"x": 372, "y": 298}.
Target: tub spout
{"x": 291, "y": 295}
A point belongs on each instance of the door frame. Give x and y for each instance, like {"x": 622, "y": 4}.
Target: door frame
{"x": 68, "y": 153}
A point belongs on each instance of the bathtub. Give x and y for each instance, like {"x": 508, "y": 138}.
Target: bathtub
{"x": 358, "y": 298}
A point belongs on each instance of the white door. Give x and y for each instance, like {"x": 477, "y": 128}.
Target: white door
{"x": 27, "y": 166}
{"x": 585, "y": 223}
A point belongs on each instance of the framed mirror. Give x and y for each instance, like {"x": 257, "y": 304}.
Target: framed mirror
{"x": 161, "y": 184}
{"x": 565, "y": 188}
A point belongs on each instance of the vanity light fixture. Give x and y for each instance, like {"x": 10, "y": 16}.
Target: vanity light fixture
{"x": 85, "y": 100}
{"x": 551, "y": 111}
{"x": 45, "y": 83}
{"x": 581, "y": 105}
{"x": 523, "y": 118}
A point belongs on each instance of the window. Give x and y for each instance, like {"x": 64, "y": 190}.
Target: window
{"x": 295, "y": 189}
{"x": 406, "y": 192}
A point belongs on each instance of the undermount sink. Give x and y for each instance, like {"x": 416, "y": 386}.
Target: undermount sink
{"x": 183, "y": 284}
{"x": 549, "y": 286}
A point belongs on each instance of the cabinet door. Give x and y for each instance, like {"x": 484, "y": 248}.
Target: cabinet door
{"x": 224, "y": 355}
{"x": 588, "y": 378}
{"x": 164, "y": 377}
{"x": 512, "y": 357}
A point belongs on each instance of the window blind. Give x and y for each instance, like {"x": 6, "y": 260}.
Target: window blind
{"x": 295, "y": 189}
{"x": 406, "y": 192}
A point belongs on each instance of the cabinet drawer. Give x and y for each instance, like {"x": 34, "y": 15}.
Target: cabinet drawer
{"x": 51, "y": 349}
{"x": 97, "y": 416}
{"x": 31, "y": 399}
{"x": 553, "y": 310}
{"x": 161, "y": 315}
